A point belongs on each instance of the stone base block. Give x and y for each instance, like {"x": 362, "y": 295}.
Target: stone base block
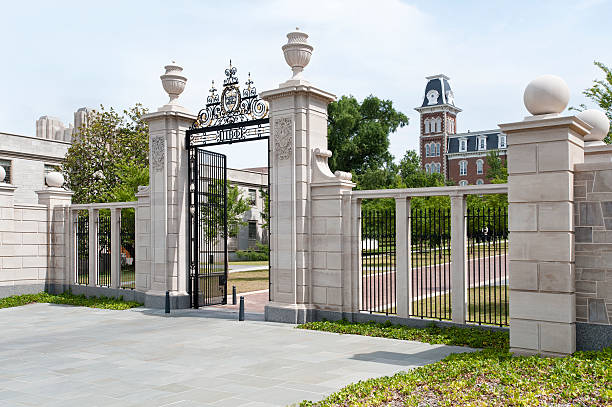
{"x": 20, "y": 289}
{"x": 593, "y": 336}
{"x": 156, "y": 299}
{"x": 289, "y": 313}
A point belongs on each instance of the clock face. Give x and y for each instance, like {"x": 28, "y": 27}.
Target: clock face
{"x": 432, "y": 97}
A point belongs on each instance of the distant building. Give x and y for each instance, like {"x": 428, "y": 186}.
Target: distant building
{"x": 250, "y": 182}
{"x": 460, "y": 157}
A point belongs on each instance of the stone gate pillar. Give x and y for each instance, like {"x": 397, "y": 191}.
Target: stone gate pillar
{"x": 542, "y": 152}
{"x": 168, "y": 194}
{"x": 298, "y": 129}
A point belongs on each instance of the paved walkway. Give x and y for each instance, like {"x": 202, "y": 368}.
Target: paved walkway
{"x": 53, "y": 355}
{"x": 254, "y": 302}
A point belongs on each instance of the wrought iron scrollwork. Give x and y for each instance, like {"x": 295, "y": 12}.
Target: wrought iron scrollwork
{"x": 231, "y": 106}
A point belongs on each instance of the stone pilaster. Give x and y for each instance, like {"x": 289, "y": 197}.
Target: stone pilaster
{"x": 298, "y": 121}
{"x": 57, "y": 201}
{"x": 168, "y": 194}
{"x": 542, "y": 152}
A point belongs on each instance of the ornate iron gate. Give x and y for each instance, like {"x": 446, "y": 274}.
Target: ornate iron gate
{"x": 233, "y": 116}
{"x": 208, "y": 228}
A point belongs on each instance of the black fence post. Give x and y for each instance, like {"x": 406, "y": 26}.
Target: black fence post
{"x": 233, "y": 295}
{"x": 167, "y": 302}
{"x": 241, "y": 310}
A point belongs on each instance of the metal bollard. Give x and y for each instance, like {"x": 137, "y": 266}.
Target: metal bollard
{"x": 241, "y": 310}
{"x": 233, "y": 295}
{"x": 167, "y": 302}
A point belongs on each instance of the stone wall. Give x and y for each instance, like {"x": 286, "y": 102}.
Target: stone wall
{"x": 23, "y": 246}
{"x": 593, "y": 222}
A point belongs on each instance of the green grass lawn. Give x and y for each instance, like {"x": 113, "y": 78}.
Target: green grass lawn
{"x": 249, "y": 263}
{"x": 484, "y": 306}
{"x": 246, "y": 281}
{"x": 488, "y": 307}
{"x": 491, "y": 377}
{"x": 68, "y": 298}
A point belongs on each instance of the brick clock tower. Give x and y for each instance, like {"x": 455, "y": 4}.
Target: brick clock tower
{"x": 438, "y": 121}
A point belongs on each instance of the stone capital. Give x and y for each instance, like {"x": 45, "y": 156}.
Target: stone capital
{"x": 552, "y": 127}
{"x": 168, "y": 114}
{"x": 56, "y": 195}
{"x": 290, "y": 88}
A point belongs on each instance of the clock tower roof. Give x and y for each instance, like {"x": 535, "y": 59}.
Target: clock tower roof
{"x": 438, "y": 92}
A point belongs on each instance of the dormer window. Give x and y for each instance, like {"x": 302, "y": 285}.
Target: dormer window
{"x": 432, "y": 97}
{"x": 462, "y": 145}
{"x": 501, "y": 141}
{"x": 482, "y": 143}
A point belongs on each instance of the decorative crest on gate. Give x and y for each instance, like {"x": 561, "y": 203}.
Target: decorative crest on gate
{"x": 231, "y": 116}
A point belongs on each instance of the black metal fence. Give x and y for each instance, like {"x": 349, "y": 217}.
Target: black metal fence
{"x": 378, "y": 261}
{"x": 127, "y": 272}
{"x": 82, "y": 247}
{"x": 487, "y": 266}
{"x": 430, "y": 259}
{"x": 104, "y": 248}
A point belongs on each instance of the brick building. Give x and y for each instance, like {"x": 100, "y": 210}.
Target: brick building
{"x": 460, "y": 157}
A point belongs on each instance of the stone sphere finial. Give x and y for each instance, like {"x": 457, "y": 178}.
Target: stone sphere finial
{"x": 54, "y": 179}
{"x": 173, "y": 82}
{"x": 2, "y": 174}
{"x": 297, "y": 52}
{"x": 598, "y": 120}
{"x": 546, "y": 94}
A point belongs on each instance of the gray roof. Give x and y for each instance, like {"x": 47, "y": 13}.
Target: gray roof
{"x": 492, "y": 141}
{"x": 439, "y": 84}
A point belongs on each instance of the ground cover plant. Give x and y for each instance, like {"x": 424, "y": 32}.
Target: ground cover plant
{"x": 491, "y": 377}
{"x": 472, "y": 337}
{"x": 68, "y": 298}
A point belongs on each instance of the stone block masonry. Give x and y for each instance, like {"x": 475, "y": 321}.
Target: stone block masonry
{"x": 593, "y": 285}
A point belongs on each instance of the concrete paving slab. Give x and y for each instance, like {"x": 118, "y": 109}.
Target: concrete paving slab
{"x": 51, "y": 354}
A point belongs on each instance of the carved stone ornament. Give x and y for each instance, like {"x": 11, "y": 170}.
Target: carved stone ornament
{"x": 158, "y": 153}
{"x": 283, "y": 138}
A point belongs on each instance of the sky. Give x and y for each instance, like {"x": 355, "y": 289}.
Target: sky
{"x": 59, "y": 56}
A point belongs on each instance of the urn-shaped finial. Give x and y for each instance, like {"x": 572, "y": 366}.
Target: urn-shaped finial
{"x": 297, "y": 52}
{"x": 173, "y": 82}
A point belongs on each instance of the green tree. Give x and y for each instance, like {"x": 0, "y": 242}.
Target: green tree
{"x": 497, "y": 171}
{"x": 601, "y": 94}
{"x": 358, "y": 133}
{"x": 111, "y": 144}
{"x": 413, "y": 176}
{"x": 265, "y": 214}
{"x": 236, "y": 207}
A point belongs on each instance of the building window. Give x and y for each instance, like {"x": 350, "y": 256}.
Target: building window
{"x": 252, "y": 199}
{"x": 252, "y": 230}
{"x": 435, "y": 168}
{"x": 451, "y": 126}
{"x": 427, "y": 150}
{"x": 437, "y": 149}
{"x": 479, "y": 166}
{"x": 426, "y": 123}
{"x": 427, "y": 167}
{"x": 462, "y": 145}
{"x": 6, "y": 164}
{"x": 462, "y": 183}
{"x": 438, "y": 125}
{"x": 482, "y": 143}
{"x": 501, "y": 141}
{"x": 462, "y": 167}
{"x": 479, "y": 182}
